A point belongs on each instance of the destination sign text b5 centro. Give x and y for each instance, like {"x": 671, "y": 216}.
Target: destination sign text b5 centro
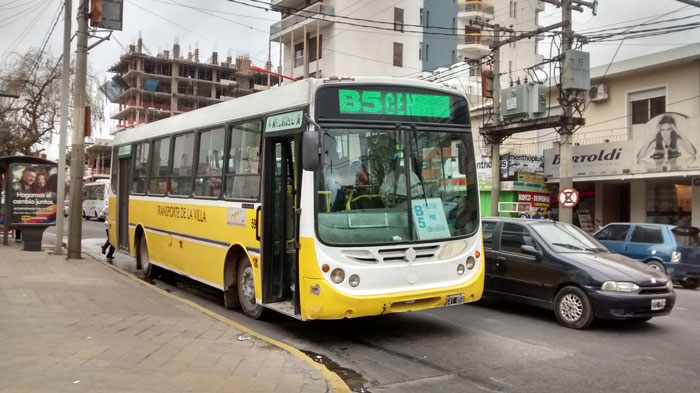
{"x": 393, "y": 103}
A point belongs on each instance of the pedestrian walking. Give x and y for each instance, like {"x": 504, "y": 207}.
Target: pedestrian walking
{"x": 108, "y": 245}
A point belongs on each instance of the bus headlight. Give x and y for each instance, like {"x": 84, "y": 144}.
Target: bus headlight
{"x": 354, "y": 280}
{"x": 452, "y": 249}
{"x": 460, "y": 269}
{"x": 471, "y": 262}
{"x": 337, "y": 275}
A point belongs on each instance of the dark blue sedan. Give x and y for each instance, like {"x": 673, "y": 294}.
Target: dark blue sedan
{"x": 669, "y": 249}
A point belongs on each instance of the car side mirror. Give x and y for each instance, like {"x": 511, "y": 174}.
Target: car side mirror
{"x": 311, "y": 151}
{"x": 530, "y": 250}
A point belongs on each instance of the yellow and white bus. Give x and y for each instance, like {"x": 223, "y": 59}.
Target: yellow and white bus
{"x": 322, "y": 199}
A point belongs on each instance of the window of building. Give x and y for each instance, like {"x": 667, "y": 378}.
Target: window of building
{"x": 420, "y": 51}
{"x": 427, "y": 52}
{"x": 647, "y": 108}
{"x": 427, "y": 18}
{"x": 398, "y": 54}
{"x": 514, "y": 236}
{"x": 420, "y": 18}
{"x": 298, "y": 54}
{"x": 158, "y": 179}
{"x": 312, "y": 48}
{"x": 210, "y": 160}
{"x": 647, "y": 234}
{"x": 243, "y": 169}
{"x": 616, "y": 233}
{"x": 181, "y": 172}
{"x": 140, "y": 172}
{"x": 398, "y": 19}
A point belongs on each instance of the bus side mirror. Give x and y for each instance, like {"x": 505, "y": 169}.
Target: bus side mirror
{"x": 311, "y": 151}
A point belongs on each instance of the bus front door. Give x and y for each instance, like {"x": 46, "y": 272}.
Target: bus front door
{"x": 280, "y": 226}
{"x": 123, "y": 203}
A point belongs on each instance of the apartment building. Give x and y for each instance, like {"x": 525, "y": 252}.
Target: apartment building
{"x": 398, "y": 38}
{"x": 149, "y": 87}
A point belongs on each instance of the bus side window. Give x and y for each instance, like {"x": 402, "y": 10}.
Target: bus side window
{"x": 140, "y": 172}
{"x": 181, "y": 172}
{"x": 243, "y": 171}
{"x": 157, "y": 183}
{"x": 207, "y": 182}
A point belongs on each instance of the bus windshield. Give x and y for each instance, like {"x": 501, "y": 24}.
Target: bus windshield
{"x": 389, "y": 186}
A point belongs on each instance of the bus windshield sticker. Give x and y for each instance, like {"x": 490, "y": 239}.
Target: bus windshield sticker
{"x": 284, "y": 121}
{"x": 235, "y": 217}
{"x": 393, "y": 103}
{"x": 429, "y": 218}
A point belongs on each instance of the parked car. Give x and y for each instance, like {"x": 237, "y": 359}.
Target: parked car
{"x": 669, "y": 249}
{"x": 559, "y": 267}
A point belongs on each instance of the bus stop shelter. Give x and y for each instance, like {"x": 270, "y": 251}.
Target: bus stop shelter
{"x": 28, "y": 188}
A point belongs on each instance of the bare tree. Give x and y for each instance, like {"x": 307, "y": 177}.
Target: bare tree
{"x": 29, "y": 122}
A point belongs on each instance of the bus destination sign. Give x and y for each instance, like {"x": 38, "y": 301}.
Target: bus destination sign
{"x": 385, "y": 102}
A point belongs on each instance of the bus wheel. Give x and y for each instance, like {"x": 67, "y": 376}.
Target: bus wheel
{"x": 144, "y": 262}
{"x": 246, "y": 290}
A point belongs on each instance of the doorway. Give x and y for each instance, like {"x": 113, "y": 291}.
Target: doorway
{"x": 123, "y": 203}
{"x": 279, "y": 241}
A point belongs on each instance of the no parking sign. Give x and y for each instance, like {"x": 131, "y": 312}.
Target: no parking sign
{"x": 568, "y": 197}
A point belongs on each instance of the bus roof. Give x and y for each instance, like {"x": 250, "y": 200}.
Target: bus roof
{"x": 269, "y": 101}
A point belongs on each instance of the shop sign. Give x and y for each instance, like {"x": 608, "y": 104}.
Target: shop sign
{"x": 666, "y": 143}
{"x": 522, "y": 163}
{"x": 535, "y": 199}
{"x": 613, "y": 158}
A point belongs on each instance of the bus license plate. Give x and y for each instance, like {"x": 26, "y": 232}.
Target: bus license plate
{"x": 454, "y": 300}
{"x": 658, "y": 304}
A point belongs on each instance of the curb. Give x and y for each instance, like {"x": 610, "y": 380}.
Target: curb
{"x": 334, "y": 381}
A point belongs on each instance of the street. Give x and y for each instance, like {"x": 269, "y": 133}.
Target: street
{"x": 92, "y": 229}
{"x": 487, "y": 346}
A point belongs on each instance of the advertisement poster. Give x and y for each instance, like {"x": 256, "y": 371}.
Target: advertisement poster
{"x": 667, "y": 142}
{"x": 612, "y": 158}
{"x": 522, "y": 163}
{"x": 33, "y": 194}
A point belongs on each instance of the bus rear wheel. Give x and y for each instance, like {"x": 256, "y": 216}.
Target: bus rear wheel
{"x": 246, "y": 290}
{"x": 144, "y": 263}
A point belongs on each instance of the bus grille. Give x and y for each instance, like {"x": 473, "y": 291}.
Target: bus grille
{"x": 393, "y": 255}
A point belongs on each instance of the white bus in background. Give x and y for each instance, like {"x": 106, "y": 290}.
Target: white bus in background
{"x": 94, "y": 199}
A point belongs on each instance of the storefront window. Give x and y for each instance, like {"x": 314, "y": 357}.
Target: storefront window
{"x": 669, "y": 203}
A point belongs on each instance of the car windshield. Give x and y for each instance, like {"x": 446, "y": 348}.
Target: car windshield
{"x": 384, "y": 186}
{"x": 567, "y": 238}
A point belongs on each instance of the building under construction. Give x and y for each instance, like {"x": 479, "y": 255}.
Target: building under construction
{"x": 149, "y": 88}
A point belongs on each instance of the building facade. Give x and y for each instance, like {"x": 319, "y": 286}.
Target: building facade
{"x": 403, "y": 38}
{"x": 147, "y": 88}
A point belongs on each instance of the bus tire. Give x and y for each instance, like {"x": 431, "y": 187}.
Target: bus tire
{"x": 245, "y": 283}
{"x": 142, "y": 259}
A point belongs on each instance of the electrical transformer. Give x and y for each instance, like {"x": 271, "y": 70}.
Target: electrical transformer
{"x": 576, "y": 72}
{"x": 524, "y": 102}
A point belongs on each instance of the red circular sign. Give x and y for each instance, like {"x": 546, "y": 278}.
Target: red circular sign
{"x": 568, "y": 197}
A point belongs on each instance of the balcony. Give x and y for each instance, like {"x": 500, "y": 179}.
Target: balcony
{"x": 470, "y": 10}
{"x": 474, "y": 45}
{"x": 317, "y": 12}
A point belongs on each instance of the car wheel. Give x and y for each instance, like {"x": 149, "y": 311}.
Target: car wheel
{"x": 246, "y": 290}
{"x": 572, "y": 308}
{"x": 690, "y": 283}
{"x": 658, "y": 266}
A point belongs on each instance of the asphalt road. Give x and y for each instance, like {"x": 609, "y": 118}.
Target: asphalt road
{"x": 92, "y": 229}
{"x": 487, "y": 346}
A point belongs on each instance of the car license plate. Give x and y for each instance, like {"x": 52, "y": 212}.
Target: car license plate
{"x": 454, "y": 300}
{"x": 658, "y": 304}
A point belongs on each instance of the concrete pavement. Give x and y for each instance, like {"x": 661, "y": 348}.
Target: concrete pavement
{"x": 82, "y": 325}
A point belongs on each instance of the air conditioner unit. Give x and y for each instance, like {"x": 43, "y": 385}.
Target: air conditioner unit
{"x": 599, "y": 92}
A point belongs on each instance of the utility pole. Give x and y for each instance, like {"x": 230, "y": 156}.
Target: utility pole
{"x": 78, "y": 142}
{"x": 496, "y": 143}
{"x": 63, "y": 130}
{"x": 566, "y": 146}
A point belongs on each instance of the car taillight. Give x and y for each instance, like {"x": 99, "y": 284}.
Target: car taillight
{"x": 675, "y": 257}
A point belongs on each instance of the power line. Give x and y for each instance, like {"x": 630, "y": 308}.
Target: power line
{"x": 48, "y": 37}
{"x": 23, "y": 33}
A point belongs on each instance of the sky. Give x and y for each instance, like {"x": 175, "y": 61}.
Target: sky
{"x": 231, "y": 28}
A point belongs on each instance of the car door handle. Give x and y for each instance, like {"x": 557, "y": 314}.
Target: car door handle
{"x": 501, "y": 259}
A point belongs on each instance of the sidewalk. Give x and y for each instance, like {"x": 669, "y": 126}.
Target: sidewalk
{"x": 83, "y": 326}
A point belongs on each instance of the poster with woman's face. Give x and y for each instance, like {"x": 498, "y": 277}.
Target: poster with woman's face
{"x": 33, "y": 193}
{"x": 667, "y": 142}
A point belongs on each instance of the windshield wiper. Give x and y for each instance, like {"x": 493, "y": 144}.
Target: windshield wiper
{"x": 569, "y": 246}
{"x": 414, "y": 154}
